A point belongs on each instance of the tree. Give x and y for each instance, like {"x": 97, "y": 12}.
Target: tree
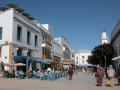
{"x": 12, "y": 5}
{"x": 20, "y": 10}
{"x": 101, "y": 54}
{"x": 3, "y": 8}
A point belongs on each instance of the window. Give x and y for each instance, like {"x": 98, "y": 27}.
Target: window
{"x": 83, "y": 57}
{"x": 19, "y": 33}
{"x": 83, "y": 61}
{"x": 0, "y": 33}
{"x": 36, "y": 40}
{"x": 77, "y": 58}
{"x": 28, "y": 37}
{"x": 29, "y": 53}
{"x": 19, "y": 52}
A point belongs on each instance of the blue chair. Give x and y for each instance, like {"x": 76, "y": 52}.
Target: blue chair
{"x": 21, "y": 74}
{"x": 16, "y": 74}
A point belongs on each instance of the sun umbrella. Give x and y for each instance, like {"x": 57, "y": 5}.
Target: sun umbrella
{"x": 20, "y": 64}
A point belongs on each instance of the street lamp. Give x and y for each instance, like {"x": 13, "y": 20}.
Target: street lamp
{"x": 105, "y": 61}
{"x": 118, "y": 54}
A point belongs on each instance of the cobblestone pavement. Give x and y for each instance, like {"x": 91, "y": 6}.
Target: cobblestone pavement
{"x": 81, "y": 81}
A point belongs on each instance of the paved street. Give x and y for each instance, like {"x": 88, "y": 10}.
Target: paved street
{"x": 81, "y": 81}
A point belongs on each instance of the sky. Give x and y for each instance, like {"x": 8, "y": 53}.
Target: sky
{"x": 79, "y": 21}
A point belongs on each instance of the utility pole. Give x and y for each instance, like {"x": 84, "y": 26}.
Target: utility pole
{"x": 105, "y": 61}
{"x": 118, "y": 54}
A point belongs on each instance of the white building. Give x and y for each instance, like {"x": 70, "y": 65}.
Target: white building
{"x": 56, "y": 54}
{"x": 56, "y": 49}
{"x": 19, "y": 36}
{"x": 104, "y": 38}
{"x": 65, "y": 47}
{"x": 81, "y": 57}
{"x": 66, "y": 51}
{"x": 72, "y": 55}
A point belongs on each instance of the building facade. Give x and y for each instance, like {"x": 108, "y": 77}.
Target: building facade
{"x": 66, "y": 51}
{"x": 115, "y": 41}
{"x": 21, "y": 36}
{"x": 46, "y": 42}
{"x": 65, "y": 47}
{"x": 81, "y": 57}
{"x": 56, "y": 55}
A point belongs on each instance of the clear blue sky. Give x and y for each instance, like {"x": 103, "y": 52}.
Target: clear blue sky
{"x": 80, "y": 21}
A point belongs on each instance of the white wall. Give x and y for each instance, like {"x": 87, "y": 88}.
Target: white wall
{"x": 56, "y": 49}
{"x": 32, "y": 29}
{"x": 81, "y": 60}
{"x": 9, "y": 21}
{"x": 47, "y": 28}
{"x": 5, "y": 55}
{"x": 6, "y": 20}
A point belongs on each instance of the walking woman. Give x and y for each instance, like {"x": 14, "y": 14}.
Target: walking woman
{"x": 118, "y": 75}
{"x": 111, "y": 74}
{"x": 99, "y": 75}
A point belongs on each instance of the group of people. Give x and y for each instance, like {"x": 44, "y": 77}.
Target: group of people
{"x": 110, "y": 74}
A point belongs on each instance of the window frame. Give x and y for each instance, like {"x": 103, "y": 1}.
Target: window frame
{"x": 36, "y": 41}
{"x": 29, "y": 38}
{"x": 19, "y": 37}
{"x": 1, "y": 29}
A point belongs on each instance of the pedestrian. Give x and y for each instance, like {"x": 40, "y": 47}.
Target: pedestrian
{"x": 106, "y": 72}
{"x": 66, "y": 72}
{"x": 70, "y": 72}
{"x": 49, "y": 69}
{"x": 110, "y": 74}
{"x": 13, "y": 73}
{"x": 118, "y": 75}
{"x": 1, "y": 69}
{"x": 99, "y": 75}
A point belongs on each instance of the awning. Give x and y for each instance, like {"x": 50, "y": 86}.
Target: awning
{"x": 20, "y": 64}
{"x": 37, "y": 59}
{"x": 21, "y": 58}
{"x": 25, "y": 58}
{"x": 68, "y": 62}
{"x": 86, "y": 65}
{"x": 116, "y": 58}
{"x": 46, "y": 62}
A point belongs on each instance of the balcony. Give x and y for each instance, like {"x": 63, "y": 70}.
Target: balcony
{"x": 46, "y": 57}
{"x": 47, "y": 42}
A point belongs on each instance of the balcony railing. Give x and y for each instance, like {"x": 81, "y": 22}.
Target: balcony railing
{"x": 47, "y": 42}
{"x": 46, "y": 57}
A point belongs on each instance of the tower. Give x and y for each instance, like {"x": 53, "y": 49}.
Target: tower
{"x": 104, "y": 38}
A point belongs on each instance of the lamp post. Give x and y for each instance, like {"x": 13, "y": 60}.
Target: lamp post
{"x": 118, "y": 54}
{"x": 105, "y": 61}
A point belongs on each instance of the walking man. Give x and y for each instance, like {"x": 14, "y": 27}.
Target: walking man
{"x": 70, "y": 72}
{"x": 1, "y": 69}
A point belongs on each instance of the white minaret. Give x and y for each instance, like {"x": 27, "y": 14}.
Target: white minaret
{"x": 104, "y": 38}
